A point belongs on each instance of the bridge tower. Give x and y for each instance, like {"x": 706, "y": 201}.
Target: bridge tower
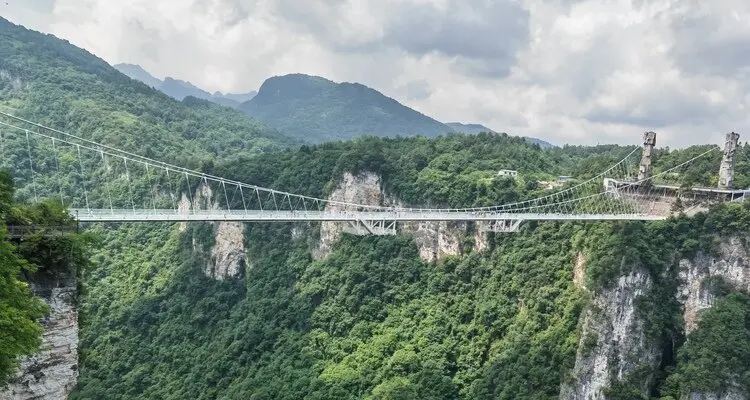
{"x": 726, "y": 171}
{"x": 644, "y": 172}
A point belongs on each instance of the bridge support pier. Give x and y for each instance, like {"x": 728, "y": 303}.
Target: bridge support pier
{"x": 504, "y": 225}
{"x": 726, "y": 171}
{"x": 366, "y": 227}
{"x": 644, "y": 171}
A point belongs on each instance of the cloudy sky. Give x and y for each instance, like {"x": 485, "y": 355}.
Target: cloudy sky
{"x": 589, "y": 71}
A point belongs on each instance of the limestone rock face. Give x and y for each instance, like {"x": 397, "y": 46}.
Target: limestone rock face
{"x": 434, "y": 239}
{"x": 437, "y": 239}
{"x": 729, "y": 394}
{"x": 52, "y": 373}
{"x": 613, "y": 342}
{"x": 731, "y": 264}
{"x": 579, "y": 271}
{"x": 364, "y": 188}
{"x": 612, "y": 338}
{"x": 228, "y": 258}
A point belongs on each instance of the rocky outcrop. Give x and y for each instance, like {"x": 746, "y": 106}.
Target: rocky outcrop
{"x": 613, "y": 342}
{"x": 228, "y": 257}
{"x": 434, "y": 239}
{"x": 183, "y": 208}
{"x": 728, "y": 394}
{"x": 364, "y": 188}
{"x": 53, "y": 371}
{"x": 579, "y": 270}
{"x": 730, "y": 264}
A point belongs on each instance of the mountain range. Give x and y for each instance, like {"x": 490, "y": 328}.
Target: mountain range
{"x": 179, "y": 89}
{"x": 315, "y": 109}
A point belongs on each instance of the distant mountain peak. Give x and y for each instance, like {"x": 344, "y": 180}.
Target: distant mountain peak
{"x": 131, "y": 66}
{"x": 469, "y": 128}
{"x": 317, "y": 109}
{"x": 180, "y": 89}
{"x": 238, "y": 97}
{"x": 138, "y": 73}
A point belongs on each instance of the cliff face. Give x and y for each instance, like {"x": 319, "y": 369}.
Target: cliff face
{"x": 228, "y": 257}
{"x": 696, "y": 294}
{"x": 613, "y": 343}
{"x": 728, "y": 394}
{"x": 437, "y": 239}
{"x": 52, "y": 372}
{"x": 434, "y": 239}
{"x": 730, "y": 264}
{"x": 363, "y": 188}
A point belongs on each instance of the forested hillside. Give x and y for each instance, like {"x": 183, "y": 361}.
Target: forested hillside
{"x": 49, "y": 81}
{"x": 477, "y": 128}
{"x": 372, "y": 320}
{"x": 30, "y": 246}
{"x": 316, "y": 110}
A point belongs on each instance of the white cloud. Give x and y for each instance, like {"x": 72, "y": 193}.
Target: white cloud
{"x": 587, "y": 71}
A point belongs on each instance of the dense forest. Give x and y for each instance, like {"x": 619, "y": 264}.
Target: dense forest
{"x": 372, "y": 320}
{"x": 33, "y": 246}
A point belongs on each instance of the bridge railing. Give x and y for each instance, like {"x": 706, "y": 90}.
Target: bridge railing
{"x": 86, "y": 175}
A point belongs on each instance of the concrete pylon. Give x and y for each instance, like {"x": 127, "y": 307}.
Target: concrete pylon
{"x": 644, "y": 172}
{"x": 726, "y": 171}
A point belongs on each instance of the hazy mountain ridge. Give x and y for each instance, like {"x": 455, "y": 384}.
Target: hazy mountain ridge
{"x": 316, "y": 109}
{"x": 238, "y": 97}
{"x": 469, "y": 128}
{"x": 291, "y": 109}
{"x": 479, "y": 128}
{"x": 179, "y": 89}
{"x": 138, "y": 73}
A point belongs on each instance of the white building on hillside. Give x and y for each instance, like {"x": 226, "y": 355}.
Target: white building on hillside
{"x": 508, "y": 172}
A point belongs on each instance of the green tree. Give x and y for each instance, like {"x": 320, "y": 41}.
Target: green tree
{"x": 20, "y": 310}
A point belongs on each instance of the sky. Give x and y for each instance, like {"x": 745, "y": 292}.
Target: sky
{"x": 567, "y": 71}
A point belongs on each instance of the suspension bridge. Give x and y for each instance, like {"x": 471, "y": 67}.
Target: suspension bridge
{"x": 101, "y": 183}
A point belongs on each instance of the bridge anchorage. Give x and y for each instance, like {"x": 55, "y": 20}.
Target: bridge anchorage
{"x": 101, "y": 183}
